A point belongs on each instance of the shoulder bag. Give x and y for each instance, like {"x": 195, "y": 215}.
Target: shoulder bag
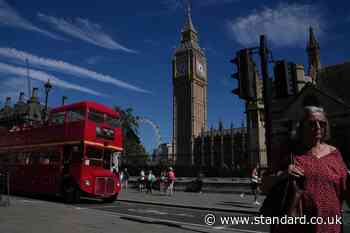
{"x": 284, "y": 197}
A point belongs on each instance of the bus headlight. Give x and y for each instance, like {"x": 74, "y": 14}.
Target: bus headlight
{"x": 87, "y": 182}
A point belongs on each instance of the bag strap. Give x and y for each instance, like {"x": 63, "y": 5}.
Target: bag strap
{"x": 292, "y": 158}
{"x": 289, "y": 180}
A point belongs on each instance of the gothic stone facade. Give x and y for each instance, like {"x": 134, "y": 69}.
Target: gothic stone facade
{"x": 222, "y": 149}
{"x": 189, "y": 94}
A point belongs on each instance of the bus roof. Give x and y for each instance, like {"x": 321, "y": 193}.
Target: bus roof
{"x": 87, "y": 104}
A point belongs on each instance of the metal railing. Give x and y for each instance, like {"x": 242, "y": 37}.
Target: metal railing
{"x": 4, "y": 188}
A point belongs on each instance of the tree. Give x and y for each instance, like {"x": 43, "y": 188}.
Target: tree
{"x": 134, "y": 151}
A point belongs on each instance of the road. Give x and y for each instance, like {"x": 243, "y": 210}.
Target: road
{"x": 91, "y": 216}
{"x": 172, "y": 216}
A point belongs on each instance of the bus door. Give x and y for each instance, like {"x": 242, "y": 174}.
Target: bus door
{"x": 34, "y": 172}
{"x": 54, "y": 169}
{"x": 21, "y": 179}
{"x": 72, "y": 160}
{"x": 67, "y": 160}
{"x": 44, "y": 173}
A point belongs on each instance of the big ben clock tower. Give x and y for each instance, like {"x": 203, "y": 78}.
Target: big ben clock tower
{"x": 189, "y": 93}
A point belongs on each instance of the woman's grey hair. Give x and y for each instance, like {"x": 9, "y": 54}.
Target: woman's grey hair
{"x": 300, "y": 125}
{"x": 312, "y": 109}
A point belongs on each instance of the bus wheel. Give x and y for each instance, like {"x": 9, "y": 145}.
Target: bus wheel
{"x": 71, "y": 193}
{"x": 110, "y": 199}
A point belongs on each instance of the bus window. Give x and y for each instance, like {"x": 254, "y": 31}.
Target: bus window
{"x": 95, "y": 155}
{"x": 12, "y": 158}
{"x": 77, "y": 154}
{"x": 72, "y": 154}
{"x": 57, "y": 118}
{"x": 34, "y": 158}
{"x": 75, "y": 115}
{"x": 115, "y": 161}
{"x": 21, "y": 158}
{"x": 44, "y": 160}
{"x": 107, "y": 158}
{"x": 54, "y": 157}
{"x": 4, "y": 158}
{"x": 96, "y": 116}
{"x": 113, "y": 122}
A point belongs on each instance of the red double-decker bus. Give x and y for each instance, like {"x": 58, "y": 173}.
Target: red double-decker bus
{"x": 73, "y": 153}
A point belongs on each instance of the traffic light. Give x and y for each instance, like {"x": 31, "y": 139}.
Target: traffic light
{"x": 284, "y": 78}
{"x": 236, "y": 61}
{"x": 245, "y": 75}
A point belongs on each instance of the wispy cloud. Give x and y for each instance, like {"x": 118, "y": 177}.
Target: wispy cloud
{"x": 285, "y": 25}
{"x": 84, "y": 30}
{"x": 11, "y": 18}
{"x": 67, "y": 68}
{"x": 43, "y": 77}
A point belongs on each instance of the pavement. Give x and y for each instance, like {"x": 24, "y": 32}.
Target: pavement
{"x": 203, "y": 201}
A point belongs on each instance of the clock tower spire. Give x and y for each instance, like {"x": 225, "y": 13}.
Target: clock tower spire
{"x": 189, "y": 93}
{"x": 189, "y": 35}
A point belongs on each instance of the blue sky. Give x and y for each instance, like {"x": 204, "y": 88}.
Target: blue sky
{"x": 119, "y": 52}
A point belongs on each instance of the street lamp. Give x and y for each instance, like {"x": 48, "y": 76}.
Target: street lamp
{"x": 48, "y": 87}
{"x": 64, "y": 99}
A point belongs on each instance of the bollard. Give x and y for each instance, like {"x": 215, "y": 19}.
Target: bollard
{"x": 2, "y": 188}
{"x": 8, "y": 189}
{"x": 5, "y": 189}
{"x": 1, "y": 185}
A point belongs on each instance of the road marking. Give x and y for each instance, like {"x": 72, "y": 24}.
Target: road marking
{"x": 152, "y": 211}
{"x": 185, "y": 215}
{"x": 156, "y": 212}
{"x": 219, "y": 227}
{"x": 148, "y": 211}
{"x": 180, "y": 224}
{"x": 28, "y": 201}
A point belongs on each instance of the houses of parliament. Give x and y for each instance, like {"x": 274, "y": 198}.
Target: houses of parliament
{"x": 194, "y": 145}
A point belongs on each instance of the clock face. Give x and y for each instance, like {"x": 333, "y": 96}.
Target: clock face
{"x": 200, "y": 69}
{"x": 181, "y": 68}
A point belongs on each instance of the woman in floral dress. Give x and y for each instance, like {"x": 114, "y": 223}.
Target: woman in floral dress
{"x": 324, "y": 173}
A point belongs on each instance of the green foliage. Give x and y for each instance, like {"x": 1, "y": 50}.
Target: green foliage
{"x": 134, "y": 151}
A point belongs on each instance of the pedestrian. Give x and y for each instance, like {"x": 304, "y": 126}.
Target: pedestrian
{"x": 142, "y": 181}
{"x": 198, "y": 183}
{"x": 121, "y": 176}
{"x": 150, "y": 181}
{"x": 170, "y": 180}
{"x": 162, "y": 182}
{"x": 125, "y": 179}
{"x": 322, "y": 173}
{"x": 254, "y": 182}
